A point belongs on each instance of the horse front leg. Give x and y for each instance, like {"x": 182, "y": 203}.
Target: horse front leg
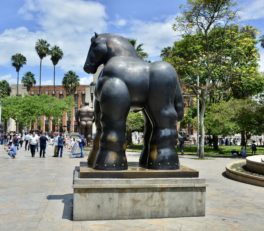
{"x": 115, "y": 105}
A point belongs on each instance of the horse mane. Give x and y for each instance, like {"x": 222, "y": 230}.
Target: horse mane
{"x": 118, "y": 45}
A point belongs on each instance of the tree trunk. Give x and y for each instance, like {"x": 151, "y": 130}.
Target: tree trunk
{"x": 202, "y": 130}
{"x": 129, "y": 137}
{"x": 215, "y": 142}
{"x": 17, "y": 82}
{"x": 40, "y": 76}
{"x": 54, "y": 78}
{"x": 243, "y": 139}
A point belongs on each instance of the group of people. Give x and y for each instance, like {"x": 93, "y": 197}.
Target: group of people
{"x": 37, "y": 142}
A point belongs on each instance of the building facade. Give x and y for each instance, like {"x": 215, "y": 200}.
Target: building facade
{"x": 68, "y": 120}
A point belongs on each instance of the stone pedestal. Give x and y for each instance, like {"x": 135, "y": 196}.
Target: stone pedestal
{"x": 125, "y": 197}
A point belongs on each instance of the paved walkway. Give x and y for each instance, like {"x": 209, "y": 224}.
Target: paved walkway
{"x": 36, "y": 194}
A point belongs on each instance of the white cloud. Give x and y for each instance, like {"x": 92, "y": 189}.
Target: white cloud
{"x": 86, "y": 80}
{"x": 66, "y": 23}
{"x": 19, "y": 40}
{"x": 120, "y": 22}
{"x": 154, "y": 35}
{"x": 47, "y": 82}
{"x": 9, "y": 78}
{"x": 252, "y": 10}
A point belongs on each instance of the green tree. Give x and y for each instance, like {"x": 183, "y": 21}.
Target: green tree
{"x": 165, "y": 52}
{"x": 18, "y": 60}
{"x": 5, "y": 89}
{"x": 201, "y": 16}
{"x": 70, "y": 82}
{"x": 42, "y": 49}
{"x": 242, "y": 116}
{"x": 208, "y": 59}
{"x": 135, "y": 122}
{"x": 56, "y": 55}
{"x": 139, "y": 49}
{"x": 28, "y": 109}
{"x": 28, "y": 80}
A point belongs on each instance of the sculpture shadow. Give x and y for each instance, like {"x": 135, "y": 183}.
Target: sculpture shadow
{"x": 67, "y": 200}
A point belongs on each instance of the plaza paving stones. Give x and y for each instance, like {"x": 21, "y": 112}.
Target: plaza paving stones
{"x": 36, "y": 194}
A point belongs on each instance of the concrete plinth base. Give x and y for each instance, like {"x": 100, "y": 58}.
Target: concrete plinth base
{"x": 137, "y": 198}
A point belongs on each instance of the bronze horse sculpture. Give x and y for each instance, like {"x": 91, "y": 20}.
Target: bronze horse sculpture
{"x": 125, "y": 82}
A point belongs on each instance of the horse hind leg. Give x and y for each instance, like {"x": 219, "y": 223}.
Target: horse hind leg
{"x": 162, "y": 154}
{"x": 115, "y": 105}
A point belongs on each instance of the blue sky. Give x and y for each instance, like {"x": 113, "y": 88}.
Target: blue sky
{"x": 70, "y": 24}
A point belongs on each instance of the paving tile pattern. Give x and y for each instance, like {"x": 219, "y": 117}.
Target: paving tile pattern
{"x": 36, "y": 194}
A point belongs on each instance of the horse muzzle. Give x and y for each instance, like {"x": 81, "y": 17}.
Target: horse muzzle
{"x": 89, "y": 68}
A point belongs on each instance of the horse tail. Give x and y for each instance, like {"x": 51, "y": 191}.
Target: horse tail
{"x": 178, "y": 100}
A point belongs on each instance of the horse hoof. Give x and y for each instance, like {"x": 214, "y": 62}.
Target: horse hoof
{"x": 110, "y": 160}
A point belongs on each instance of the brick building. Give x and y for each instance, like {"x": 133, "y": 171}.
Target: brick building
{"x": 68, "y": 121}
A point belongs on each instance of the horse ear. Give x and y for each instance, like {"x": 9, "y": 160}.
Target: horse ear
{"x": 95, "y": 35}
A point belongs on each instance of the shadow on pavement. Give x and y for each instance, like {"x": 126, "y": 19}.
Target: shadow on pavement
{"x": 67, "y": 200}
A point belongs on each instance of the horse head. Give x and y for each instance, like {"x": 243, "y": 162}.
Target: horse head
{"x": 105, "y": 46}
{"x": 96, "y": 55}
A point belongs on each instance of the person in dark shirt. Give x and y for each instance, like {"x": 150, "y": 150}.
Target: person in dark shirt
{"x": 60, "y": 145}
{"x": 42, "y": 144}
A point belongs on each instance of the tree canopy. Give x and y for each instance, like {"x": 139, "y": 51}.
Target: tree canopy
{"x": 28, "y": 80}
{"x": 27, "y": 109}
{"x": 18, "y": 60}
{"x": 244, "y": 116}
{"x": 70, "y": 82}
{"x": 139, "y": 49}
{"x": 215, "y": 59}
{"x": 5, "y": 89}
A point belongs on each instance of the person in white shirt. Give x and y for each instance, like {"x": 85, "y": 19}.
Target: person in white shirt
{"x": 33, "y": 143}
{"x": 27, "y": 138}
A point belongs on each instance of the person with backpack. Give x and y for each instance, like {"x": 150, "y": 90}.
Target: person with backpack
{"x": 60, "y": 145}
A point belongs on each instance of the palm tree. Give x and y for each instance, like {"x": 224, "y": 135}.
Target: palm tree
{"x": 70, "y": 82}
{"x": 28, "y": 80}
{"x": 18, "y": 60}
{"x": 42, "y": 48}
{"x": 165, "y": 52}
{"x": 56, "y": 55}
{"x": 140, "y": 52}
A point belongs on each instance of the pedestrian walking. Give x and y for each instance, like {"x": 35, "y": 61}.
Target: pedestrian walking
{"x": 27, "y": 138}
{"x": 33, "y": 143}
{"x": 60, "y": 145}
{"x": 42, "y": 145}
{"x": 181, "y": 138}
{"x": 253, "y": 147}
